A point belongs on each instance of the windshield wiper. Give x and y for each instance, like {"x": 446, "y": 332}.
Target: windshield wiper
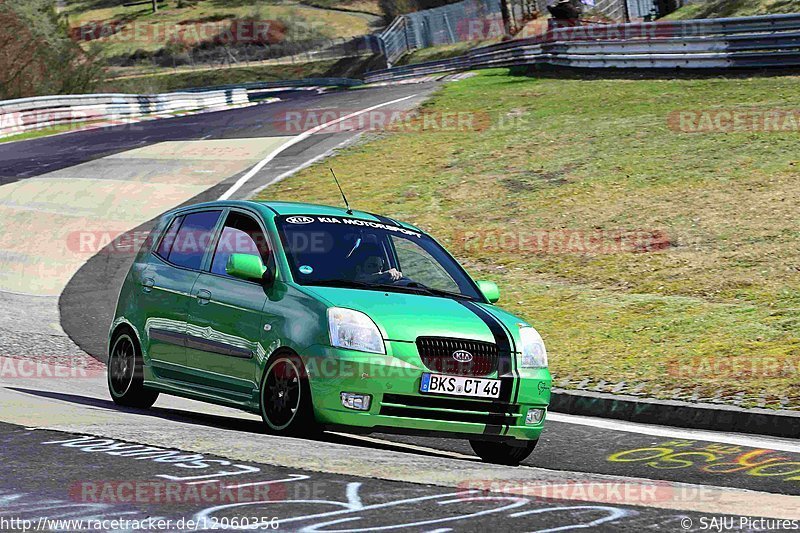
{"x": 339, "y": 283}
{"x": 419, "y": 287}
{"x": 442, "y": 292}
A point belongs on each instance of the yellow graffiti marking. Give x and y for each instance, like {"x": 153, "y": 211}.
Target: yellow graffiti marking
{"x": 674, "y": 460}
{"x": 761, "y": 471}
{"x": 743, "y": 462}
{"x": 712, "y": 459}
{"x": 655, "y": 453}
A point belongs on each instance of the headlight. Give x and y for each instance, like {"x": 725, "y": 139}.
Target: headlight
{"x": 534, "y": 354}
{"x": 354, "y": 330}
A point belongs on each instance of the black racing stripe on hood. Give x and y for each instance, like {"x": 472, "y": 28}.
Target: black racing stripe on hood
{"x": 514, "y": 363}
{"x": 504, "y": 359}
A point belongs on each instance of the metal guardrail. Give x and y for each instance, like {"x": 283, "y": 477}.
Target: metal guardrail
{"x": 25, "y": 114}
{"x": 481, "y": 19}
{"x": 279, "y": 84}
{"x": 395, "y": 40}
{"x": 752, "y": 42}
{"x": 766, "y": 41}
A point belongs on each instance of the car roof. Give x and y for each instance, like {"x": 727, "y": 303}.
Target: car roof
{"x": 301, "y": 208}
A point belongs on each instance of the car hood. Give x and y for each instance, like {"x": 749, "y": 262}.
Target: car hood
{"x": 404, "y": 316}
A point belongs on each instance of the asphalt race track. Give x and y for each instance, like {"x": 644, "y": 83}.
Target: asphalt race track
{"x": 68, "y": 453}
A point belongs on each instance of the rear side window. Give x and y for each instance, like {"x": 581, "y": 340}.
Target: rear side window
{"x": 169, "y": 238}
{"x": 241, "y": 235}
{"x": 193, "y": 239}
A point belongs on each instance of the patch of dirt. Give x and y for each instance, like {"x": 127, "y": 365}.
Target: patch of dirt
{"x": 523, "y": 181}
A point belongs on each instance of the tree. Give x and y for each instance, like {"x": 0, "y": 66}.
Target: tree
{"x": 37, "y": 56}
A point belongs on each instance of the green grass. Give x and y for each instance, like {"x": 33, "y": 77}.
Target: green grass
{"x": 444, "y": 51}
{"x": 722, "y": 293}
{"x": 44, "y": 132}
{"x": 734, "y": 8}
{"x": 153, "y": 30}
{"x": 363, "y": 6}
{"x": 63, "y": 128}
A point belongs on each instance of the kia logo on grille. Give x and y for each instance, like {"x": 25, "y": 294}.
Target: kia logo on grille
{"x": 462, "y": 356}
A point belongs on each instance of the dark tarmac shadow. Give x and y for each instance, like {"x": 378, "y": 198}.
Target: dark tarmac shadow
{"x": 221, "y": 422}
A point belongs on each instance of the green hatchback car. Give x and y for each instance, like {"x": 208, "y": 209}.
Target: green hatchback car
{"x": 318, "y": 317}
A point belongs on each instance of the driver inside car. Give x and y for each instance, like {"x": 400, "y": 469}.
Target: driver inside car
{"x": 370, "y": 269}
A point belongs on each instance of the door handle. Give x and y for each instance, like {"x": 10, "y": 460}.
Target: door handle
{"x": 148, "y": 284}
{"x": 203, "y": 297}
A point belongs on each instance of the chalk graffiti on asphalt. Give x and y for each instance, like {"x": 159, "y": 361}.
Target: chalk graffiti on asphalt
{"x": 311, "y": 512}
{"x": 714, "y": 459}
{"x": 140, "y": 452}
{"x": 459, "y": 506}
{"x": 22, "y": 505}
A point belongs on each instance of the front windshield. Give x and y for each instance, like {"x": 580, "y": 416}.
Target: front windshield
{"x": 350, "y": 252}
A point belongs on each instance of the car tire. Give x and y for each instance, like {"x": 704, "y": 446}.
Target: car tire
{"x": 126, "y": 375}
{"x": 502, "y": 453}
{"x": 286, "y": 405}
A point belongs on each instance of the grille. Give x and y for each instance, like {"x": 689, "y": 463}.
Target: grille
{"x": 449, "y": 409}
{"x": 437, "y": 354}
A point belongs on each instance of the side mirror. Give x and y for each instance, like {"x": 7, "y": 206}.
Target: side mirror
{"x": 490, "y": 290}
{"x": 245, "y": 266}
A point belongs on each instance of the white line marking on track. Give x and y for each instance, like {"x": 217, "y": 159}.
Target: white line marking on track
{"x": 413, "y": 447}
{"x": 301, "y": 166}
{"x": 292, "y": 477}
{"x": 305, "y": 135}
{"x": 777, "y": 444}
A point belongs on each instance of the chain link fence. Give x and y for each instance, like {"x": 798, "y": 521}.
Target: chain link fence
{"x": 453, "y": 23}
{"x": 613, "y": 9}
{"x": 633, "y": 10}
{"x": 467, "y": 20}
{"x": 472, "y": 20}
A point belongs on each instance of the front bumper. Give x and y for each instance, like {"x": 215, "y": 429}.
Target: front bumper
{"x": 393, "y": 382}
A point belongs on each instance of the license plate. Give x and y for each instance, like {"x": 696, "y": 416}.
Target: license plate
{"x": 460, "y": 386}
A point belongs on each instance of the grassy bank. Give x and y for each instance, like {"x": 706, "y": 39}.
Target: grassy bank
{"x": 652, "y": 260}
{"x": 735, "y": 8}
{"x": 362, "y": 6}
{"x": 192, "y": 22}
{"x": 444, "y": 51}
{"x": 176, "y": 80}
{"x": 44, "y": 132}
